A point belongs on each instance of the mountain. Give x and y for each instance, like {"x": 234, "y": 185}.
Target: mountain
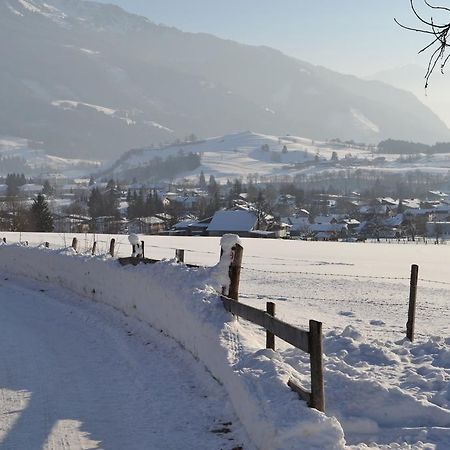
{"x": 83, "y": 79}
{"x": 411, "y": 78}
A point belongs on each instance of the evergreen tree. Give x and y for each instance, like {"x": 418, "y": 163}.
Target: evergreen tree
{"x": 95, "y": 203}
{"x": 14, "y": 181}
{"x": 202, "y": 180}
{"x": 41, "y": 218}
{"x": 47, "y": 190}
{"x": 212, "y": 185}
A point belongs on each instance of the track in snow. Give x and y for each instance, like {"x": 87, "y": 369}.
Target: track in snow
{"x": 76, "y": 375}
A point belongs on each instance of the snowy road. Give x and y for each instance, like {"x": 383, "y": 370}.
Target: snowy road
{"x": 76, "y": 375}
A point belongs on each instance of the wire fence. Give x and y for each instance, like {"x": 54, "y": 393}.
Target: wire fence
{"x": 89, "y": 239}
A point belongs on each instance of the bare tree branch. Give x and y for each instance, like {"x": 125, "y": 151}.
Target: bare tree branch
{"x": 440, "y": 32}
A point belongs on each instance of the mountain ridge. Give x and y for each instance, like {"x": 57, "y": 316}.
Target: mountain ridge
{"x": 95, "y": 80}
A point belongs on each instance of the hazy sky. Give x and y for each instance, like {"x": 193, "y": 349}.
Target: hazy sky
{"x": 350, "y": 36}
{"x": 357, "y": 36}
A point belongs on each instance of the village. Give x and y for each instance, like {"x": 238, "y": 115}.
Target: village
{"x": 201, "y": 208}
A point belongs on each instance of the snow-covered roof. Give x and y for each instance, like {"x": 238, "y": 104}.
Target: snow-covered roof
{"x": 413, "y": 203}
{"x": 148, "y": 220}
{"x": 395, "y": 221}
{"x": 297, "y": 223}
{"x": 388, "y": 201}
{"x": 184, "y": 224}
{"x": 30, "y": 187}
{"x": 439, "y": 194}
{"x": 232, "y": 221}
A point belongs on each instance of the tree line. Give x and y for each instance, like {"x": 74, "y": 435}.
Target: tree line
{"x": 399, "y": 147}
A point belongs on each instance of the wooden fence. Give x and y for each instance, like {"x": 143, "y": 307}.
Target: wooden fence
{"x": 307, "y": 341}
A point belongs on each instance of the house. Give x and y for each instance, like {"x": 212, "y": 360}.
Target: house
{"x": 191, "y": 227}
{"x": 239, "y": 222}
{"x": 107, "y": 224}
{"x": 146, "y": 225}
{"x": 71, "y": 223}
{"x": 438, "y": 229}
{"x": 298, "y": 225}
{"x": 328, "y": 231}
{"x": 31, "y": 189}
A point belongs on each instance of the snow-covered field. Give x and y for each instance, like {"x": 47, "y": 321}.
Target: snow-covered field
{"x": 37, "y": 159}
{"x": 240, "y": 154}
{"x": 385, "y": 392}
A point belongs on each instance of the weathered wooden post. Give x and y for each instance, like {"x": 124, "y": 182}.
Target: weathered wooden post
{"x": 315, "y": 354}
{"x": 4, "y": 240}
{"x": 75, "y": 243}
{"x": 179, "y": 255}
{"x": 112, "y": 245}
{"x": 94, "y": 248}
{"x": 270, "y": 337}
{"x": 142, "y": 249}
{"x": 412, "y": 302}
{"x": 235, "y": 271}
{"x": 47, "y": 245}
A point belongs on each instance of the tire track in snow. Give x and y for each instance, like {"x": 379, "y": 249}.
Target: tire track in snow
{"x": 82, "y": 376}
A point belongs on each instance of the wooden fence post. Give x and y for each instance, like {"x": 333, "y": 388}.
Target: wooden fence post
{"x": 75, "y": 243}
{"x": 235, "y": 272}
{"x": 142, "y": 248}
{"x": 179, "y": 255}
{"x": 315, "y": 352}
{"x": 412, "y": 302}
{"x": 94, "y": 248}
{"x": 270, "y": 337}
{"x": 4, "y": 240}
{"x": 111, "y": 247}
{"x": 47, "y": 245}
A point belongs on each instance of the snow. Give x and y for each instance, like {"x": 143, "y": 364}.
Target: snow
{"x": 364, "y": 121}
{"x": 384, "y": 391}
{"x": 232, "y": 221}
{"x": 14, "y": 11}
{"x": 37, "y": 159}
{"x": 239, "y": 155}
{"x": 255, "y": 380}
{"x": 70, "y": 104}
{"x": 29, "y": 6}
{"x": 158, "y": 125}
{"x": 121, "y": 114}
{"x": 80, "y": 375}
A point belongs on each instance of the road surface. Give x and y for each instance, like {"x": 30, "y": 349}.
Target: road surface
{"x": 79, "y": 375}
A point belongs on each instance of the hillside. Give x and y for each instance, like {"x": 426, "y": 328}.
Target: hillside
{"x": 85, "y": 79}
{"x": 240, "y": 154}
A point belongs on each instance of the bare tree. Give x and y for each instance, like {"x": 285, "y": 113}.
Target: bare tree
{"x": 439, "y": 33}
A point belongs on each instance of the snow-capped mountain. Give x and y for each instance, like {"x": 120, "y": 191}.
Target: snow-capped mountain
{"x": 91, "y": 80}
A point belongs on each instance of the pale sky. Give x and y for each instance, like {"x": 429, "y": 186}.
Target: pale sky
{"x": 350, "y": 36}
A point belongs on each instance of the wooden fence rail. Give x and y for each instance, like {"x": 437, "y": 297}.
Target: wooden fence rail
{"x": 308, "y": 341}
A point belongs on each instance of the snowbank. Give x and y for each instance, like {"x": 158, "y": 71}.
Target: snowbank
{"x": 183, "y": 303}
